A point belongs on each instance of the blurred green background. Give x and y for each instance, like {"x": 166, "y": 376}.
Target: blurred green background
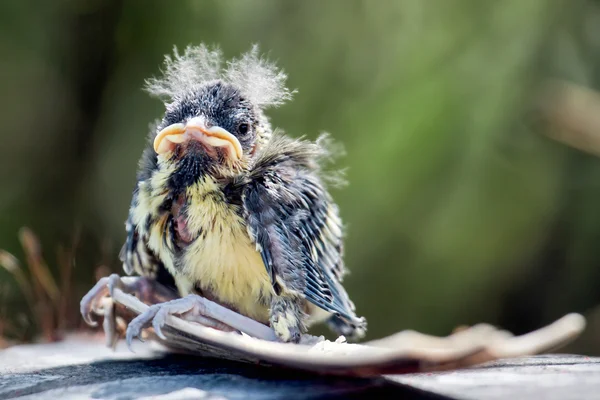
{"x": 460, "y": 209}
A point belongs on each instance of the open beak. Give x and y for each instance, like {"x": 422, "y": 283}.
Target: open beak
{"x": 195, "y": 129}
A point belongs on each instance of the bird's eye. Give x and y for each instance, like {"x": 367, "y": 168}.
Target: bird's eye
{"x": 243, "y": 128}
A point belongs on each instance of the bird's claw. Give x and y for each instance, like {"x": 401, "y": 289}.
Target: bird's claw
{"x": 115, "y": 281}
{"x": 157, "y": 315}
{"x": 99, "y": 300}
{"x": 159, "y": 321}
{"x": 90, "y": 303}
{"x": 134, "y": 329}
{"x": 194, "y": 308}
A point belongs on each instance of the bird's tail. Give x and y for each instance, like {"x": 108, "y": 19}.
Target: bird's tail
{"x": 354, "y": 330}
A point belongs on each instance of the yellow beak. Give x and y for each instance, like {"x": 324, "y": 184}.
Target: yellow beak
{"x": 195, "y": 129}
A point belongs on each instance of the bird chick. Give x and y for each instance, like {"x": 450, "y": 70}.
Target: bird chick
{"x": 231, "y": 210}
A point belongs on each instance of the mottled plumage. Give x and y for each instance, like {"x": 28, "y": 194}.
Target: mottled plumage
{"x": 233, "y": 211}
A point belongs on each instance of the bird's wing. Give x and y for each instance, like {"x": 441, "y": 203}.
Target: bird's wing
{"x": 296, "y": 228}
{"x": 137, "y": 257}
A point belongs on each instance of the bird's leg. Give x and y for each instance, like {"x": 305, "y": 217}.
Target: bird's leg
{"x": 287, "y": 318}
{"x": 198, "y": 309}
{"x": 146, "y": 289}
{"x": 98, "y": 300}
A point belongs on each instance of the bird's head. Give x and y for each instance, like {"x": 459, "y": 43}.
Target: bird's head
{"x": 213, "y": 125}
{"x": 214, "y": 120}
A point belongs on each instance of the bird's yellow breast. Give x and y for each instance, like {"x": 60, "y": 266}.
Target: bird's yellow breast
{"x": 223, "y": 259}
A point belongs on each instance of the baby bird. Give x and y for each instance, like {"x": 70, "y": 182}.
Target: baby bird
{"x": 235, "y": 212}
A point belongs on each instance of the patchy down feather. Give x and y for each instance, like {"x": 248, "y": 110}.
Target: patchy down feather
{"x": 256, "y": 231}
{"x": 256, "y": 77}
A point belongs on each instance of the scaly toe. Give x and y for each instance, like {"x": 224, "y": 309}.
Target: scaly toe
{"x": 133, "y": 331}
{"x": 159, "y": 321}
{"x": 88, "y": 302}
{"x": 138, "y": 323}
{"x": 177, "y": 306}
{"x": 114, "y": 281}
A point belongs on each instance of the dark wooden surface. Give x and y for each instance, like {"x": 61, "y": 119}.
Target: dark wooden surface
{"x": 82, "y": 367}
{"x": 559, "y": 376}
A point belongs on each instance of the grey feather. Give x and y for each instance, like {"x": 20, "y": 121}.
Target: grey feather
{"x": 295, "y": 223}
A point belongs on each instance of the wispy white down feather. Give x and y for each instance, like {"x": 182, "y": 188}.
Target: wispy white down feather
{"x": 258, "y": 79}
{"x": 317, "y": 156}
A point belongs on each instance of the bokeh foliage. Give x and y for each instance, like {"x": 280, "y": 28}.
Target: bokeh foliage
{"x": 459, "y": 209}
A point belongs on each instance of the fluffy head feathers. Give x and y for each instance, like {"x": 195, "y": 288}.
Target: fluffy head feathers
{"x": 259, "y": 80}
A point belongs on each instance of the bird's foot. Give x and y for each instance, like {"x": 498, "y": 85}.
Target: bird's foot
{"x": 99, "y": 301}
{"x": 197, "y": 309}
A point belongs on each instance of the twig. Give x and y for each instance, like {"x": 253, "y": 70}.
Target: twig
{"x": 574, "y": 114}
